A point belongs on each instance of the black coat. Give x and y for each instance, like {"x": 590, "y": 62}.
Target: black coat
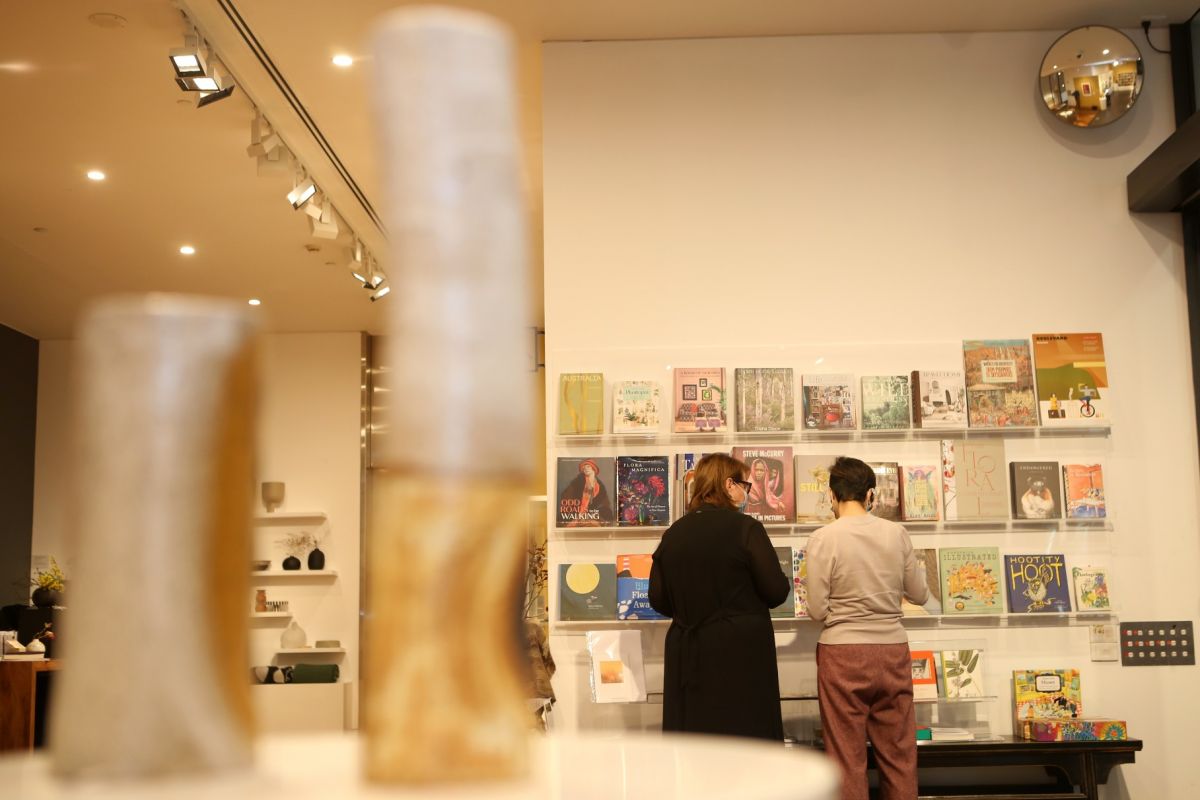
{"x": 716, "y": 575}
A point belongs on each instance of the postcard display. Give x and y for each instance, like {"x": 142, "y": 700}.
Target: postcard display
{"x": 989, "y": 476}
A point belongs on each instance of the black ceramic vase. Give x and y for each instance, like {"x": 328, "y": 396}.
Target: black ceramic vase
{"x": 316, "y": 559}
{"x": 291, "y": 562}
{"x": 45, "y": 598}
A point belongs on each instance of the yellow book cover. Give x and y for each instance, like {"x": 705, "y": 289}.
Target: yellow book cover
{"x": 581, "y": 404}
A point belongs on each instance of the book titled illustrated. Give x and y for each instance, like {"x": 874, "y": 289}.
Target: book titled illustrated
{"x": 1083, "y": 487}
{"x": 1091, "y": 588}
{"x": 633, "y": 587}
{"x": 885, "y": 402}
{"x": 812, "y": 489}
{"x": 962, "y": 673}
{"x": 999, "y": 378}
{"x": 587, "y": 591}
{"x": 1072, "y": 379}
{"x": 772, "y": 494}
{"x": 924, "y": 675}
{"x": 642, "y": 494}
{"x": 787, "y": 563}
{"x": 581, "y": 404}
{"x": 800, "y": 580}
{"x": 974, "y": 480}
{"x": 700, "y": 400}
{"x": 635, "y": 407}
{"x": 971, "y": 580}
{"x": 919, "y": 484}
{"x": 887, "y": 490}
{"x": 764, "y": 399}
{"x": 1036, "y": 490}
{"x": 939, "y": 399}
{"x": 617, "y": 673}
{"x": 828, "y": 402}
{"x": 585, "y": 492}
{"x": 1046, "y": 694}
{"x": 1036, "y": 583}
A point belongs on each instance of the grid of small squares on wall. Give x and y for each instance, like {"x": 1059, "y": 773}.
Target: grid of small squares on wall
{"x": 1157, "y": 644}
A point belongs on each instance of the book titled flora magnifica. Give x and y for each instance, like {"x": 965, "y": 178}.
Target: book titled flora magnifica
{"x": 642, "y": 495}
{"x": 635, "y": 407}
{"x": 764, "y": 399}
{"x": 581, "y": 404}
{"x": 885, "y": 402}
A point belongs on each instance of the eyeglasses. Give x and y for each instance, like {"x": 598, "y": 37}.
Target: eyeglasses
{"x": 746, "y": 485}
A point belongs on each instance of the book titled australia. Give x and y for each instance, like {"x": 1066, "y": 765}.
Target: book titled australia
{"x": 1036, "y": 583}
{"x": 1083, "y": 485}
{"x": 642, "y": 494}
{"x": 1072, "y": 379}
{"x": 1036, "y": 490}
{"x": 585, "y": 492}
{"x": 971, "y": 580}
{"x": 635, "y": 407}
{"x": 772, "y": 493}
{"x": 885, "y": 402}
{"x": 939, "y": 399}
{"x": 633, "y": 587}
{"x": 887, "y": 490}
{"x": 581, "y": 404}
{"x": 999, "y": 378}
{"x": 764, "y": 399}
{"x": 587, "y": 591}
{"x": 700, "y": 400}
{"x": 828, "y": 402}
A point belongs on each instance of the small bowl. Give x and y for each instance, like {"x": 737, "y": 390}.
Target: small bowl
{"x": 259, "y": 566}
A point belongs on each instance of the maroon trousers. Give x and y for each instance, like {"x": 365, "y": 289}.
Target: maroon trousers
{"x": 865, "y": 692}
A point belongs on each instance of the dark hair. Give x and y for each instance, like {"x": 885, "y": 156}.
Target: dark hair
{"x": 708, "y": 480}
{"x": 850, "y": 479}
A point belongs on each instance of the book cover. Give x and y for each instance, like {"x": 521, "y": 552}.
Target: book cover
{"x": 585, "y": 492}
{"x": 962, "y": 673}
{"x": 587, "y": 591}
{"x": 1072, "y": 379}
{"x": 800, "y": 580}
{"x": 924, "y": 675}
{"x": 617, "y": 672}
{"x": 939, "y": 399}
{"x": 1036, "y": 583}
{"x": 1091, "y": 588}
{"x": 642, "y": 495}
{"x": 581, "y": 404}
{"x": 1075, "y": 730}
{"x": 828, "y": 402}
{"x": 927, "y": 560}
{"x": 999, "y": 378}
{"x": 773, "y": 494}
{"x": 764, "y": 399}
{"x": 974, "y": 480}
{"x": 1046, "y": 694}
{"x": 971, "y": 580}
{"x": 919, "y": 483}
{"x": 633, "y": 587}
{"x": 787, "y": 563}
{"x": 635, "y": 407}
{"x": 885, "y": 402}
{"x": 1036, "y": 490}
{"x": 1083, "y": 485}
{"x": 887, "y": 490}
{"x": 700, "y": 400}
{"x": 812, "y": 489}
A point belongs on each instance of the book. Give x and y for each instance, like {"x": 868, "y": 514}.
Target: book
{"x": 800, "y": 580}
{"x": 581, "y": 404}
{"x": 828, "y": 402}
{"x": 885, "y": 402}
{"x": 962, "y": 673}
{"x": 971, "y": 580}
{"x": 1045, "y": 694}
{"x": 1091, "y": 588}
{"x": 764, "y": 399}
{"x": 945, "y": 734}
{"x": 924, "y": 675}
{"x": 585, "y": 488}
{"x": 887, "y": 490}
{"x": 919, "y": 484}
{"x": 927, "y": 561}
{"x": 939, "y": 399}
{"x": 787, "y": 563}
{"x": 587, "y": 591}
{"x": 1083, "y": 487}
{"x": 1075, "y": 730}
{"x": 617, "y": 673}
{"x": 635, "y": 406}
{"x": 700, "y": 400}
{"x": 1072, "y": 379}
{"x": 974, "y": 481}
{"x": 633, "y": 587}
{"x": 773, "y": 495}
{"x": 642, "y": 494}
{"x": 999, "y": 378}
{"x": 23, "y": 657}
{"x": 1036, "y": 583}
{"x": 812, "y": 489}
{"x": 1036, "y": 490}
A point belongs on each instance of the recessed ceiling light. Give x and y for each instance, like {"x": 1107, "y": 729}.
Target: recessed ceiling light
{"x": 343, "y": 60}
{"x": 16, "y": 66}
{"x": 1116, "y": 63}
{"x": 187, "y": 250}
{"x": 254, "y": 301}
{"x": 1106, "y": 51}
{"x": 95, "y": 175}
{"x": 1055, "y": 66}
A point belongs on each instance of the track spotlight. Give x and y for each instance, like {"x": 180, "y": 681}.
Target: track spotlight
{"x": 208, "y": 98}
{"x": 381, "y": 293}
{"x": 301, "y": 193}
{"x": 324, "y": 226}
{"x": 189, "y": 61}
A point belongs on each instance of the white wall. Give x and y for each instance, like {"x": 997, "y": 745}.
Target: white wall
{"x": 309, "y": 437}
{"x": 881, "y": 198}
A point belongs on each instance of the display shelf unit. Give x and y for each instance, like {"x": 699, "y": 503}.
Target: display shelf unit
{"x": 920, "y": 621}
{"x": 998, "y": 526}
{"x": 304, "y": 651}
{"x": 289, "y": 518}
{"x": 270, "y": 615}
{"x": 294, "y": 574}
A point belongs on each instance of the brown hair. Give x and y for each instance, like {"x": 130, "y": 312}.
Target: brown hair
{"x": 708, "y": 482}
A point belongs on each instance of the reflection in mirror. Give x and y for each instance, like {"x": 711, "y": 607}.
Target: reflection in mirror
{"x": 1091, "y": 76}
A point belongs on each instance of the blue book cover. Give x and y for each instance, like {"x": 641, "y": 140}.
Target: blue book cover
{"x": 633, "y": 587}
{"x": 642, "y": 495}
{"x": 1037, "y": 584}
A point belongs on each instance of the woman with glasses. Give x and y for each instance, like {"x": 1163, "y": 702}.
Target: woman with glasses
{"x": 716, "y": 575}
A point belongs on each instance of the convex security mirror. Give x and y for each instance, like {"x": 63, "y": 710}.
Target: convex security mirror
{"x": 1091, "y": 76}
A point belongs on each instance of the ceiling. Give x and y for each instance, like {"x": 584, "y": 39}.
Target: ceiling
{"x": 94, "y": 97}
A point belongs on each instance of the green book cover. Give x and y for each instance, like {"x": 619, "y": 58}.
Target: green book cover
{"x": 971, "y": 580}
{"x": 581, "y": 404}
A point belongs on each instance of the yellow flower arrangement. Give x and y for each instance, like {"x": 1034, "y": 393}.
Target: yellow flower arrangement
{"x": 52, "y": 578}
